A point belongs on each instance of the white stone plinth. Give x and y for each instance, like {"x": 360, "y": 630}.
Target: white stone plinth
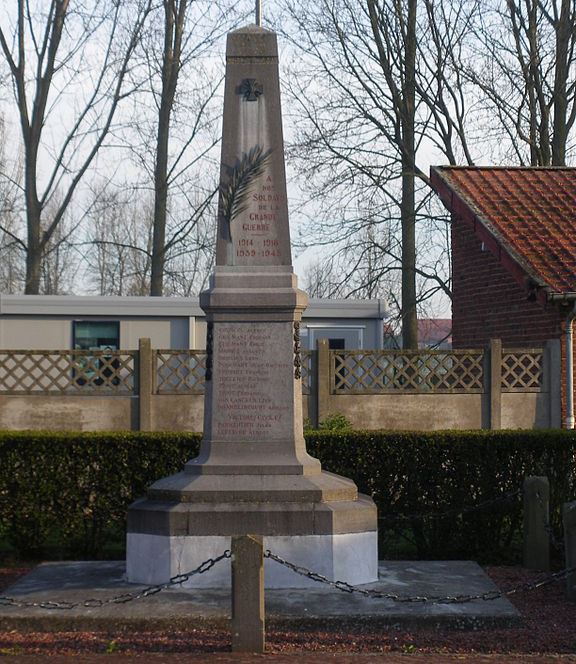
{"x": 349, "y": 557}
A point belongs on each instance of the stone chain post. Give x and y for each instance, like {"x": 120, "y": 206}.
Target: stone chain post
{"x": 536, "y": 523}
{"x": 248, "y": 594}
{"x": 569, "y": 522}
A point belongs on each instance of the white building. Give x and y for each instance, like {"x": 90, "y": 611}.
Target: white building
{"x": 61, "y": 322}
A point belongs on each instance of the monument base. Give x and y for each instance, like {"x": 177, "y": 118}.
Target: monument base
{"x": 318, "y": 521}
{"x": 349, "y": 557}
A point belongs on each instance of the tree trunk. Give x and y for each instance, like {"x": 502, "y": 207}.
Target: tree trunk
{"x": 174, "y": 18}
{"x": 33, "y": 217}
{"x": 407, "y": 203}
{"x": 33, "y": 267}
{"x": 160, "y": 207}
{"x": 560, "y": 135}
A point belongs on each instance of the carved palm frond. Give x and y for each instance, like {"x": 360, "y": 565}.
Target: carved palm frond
{"x": 234, "y": 195}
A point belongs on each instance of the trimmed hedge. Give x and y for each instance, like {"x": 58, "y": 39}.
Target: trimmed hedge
{"x": 66, "y": 494}
{"x": 431, "y": 473}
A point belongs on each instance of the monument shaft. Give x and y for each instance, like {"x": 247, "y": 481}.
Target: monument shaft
{"x": 253, "y": 407}
{"x": 253, "y": 212}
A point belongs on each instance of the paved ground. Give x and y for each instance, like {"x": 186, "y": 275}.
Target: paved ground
{"x": 303, "y": 658}
{"x": 77, "y": 582}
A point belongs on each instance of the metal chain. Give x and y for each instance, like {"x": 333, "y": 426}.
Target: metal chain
{"x": 454, "y": 511}
{"x": 448, "y": 599}
{"x": 556, "y": 543}
{"x": 118, "y": 599}
{"x": 298, "y": 569}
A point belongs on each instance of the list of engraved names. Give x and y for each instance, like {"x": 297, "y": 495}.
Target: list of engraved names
{"x": 251, "y": 362}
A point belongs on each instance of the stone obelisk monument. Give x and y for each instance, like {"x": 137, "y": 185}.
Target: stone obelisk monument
{"x": 253, "y": 474}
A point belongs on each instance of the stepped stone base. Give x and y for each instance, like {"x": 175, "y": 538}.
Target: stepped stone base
{"x": 318, "y": 521}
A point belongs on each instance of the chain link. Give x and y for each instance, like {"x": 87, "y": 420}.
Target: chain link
{"x": 402, "y": 599}
{"x": 454, "y": 511}
{"x": 118, "y": 599}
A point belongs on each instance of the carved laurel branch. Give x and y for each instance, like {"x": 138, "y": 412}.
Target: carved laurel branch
{"x": 234, "y": 195}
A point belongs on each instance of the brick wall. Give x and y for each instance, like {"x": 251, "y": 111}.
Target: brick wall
{"x": 488, "y": 303}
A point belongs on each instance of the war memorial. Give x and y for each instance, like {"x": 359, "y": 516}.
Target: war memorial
{"x": 253, "y": 482}
{"x": 253, "y": 474}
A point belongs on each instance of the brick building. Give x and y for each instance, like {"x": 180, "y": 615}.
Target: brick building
{"x": 514, "y": 257}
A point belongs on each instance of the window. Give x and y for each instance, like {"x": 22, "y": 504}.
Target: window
{"x": 96, "y": 335}
{"x": 340, "y": 337}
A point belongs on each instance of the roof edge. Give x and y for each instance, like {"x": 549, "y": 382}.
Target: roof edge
{"x": 531, "y": 281}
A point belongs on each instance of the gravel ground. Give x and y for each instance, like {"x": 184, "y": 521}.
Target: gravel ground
{"x": 300, "y": 658}
{"x": 550, "y": 628}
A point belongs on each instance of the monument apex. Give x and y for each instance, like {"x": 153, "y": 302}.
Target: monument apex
{"x": 253, "y": 211}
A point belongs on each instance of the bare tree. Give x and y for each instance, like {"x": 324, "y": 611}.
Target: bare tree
{"x": 321, "y": 278}
{"x": 523, "y": 69}
{"x": 174, "y": 23}
{"x": 119, "y": 233}
{"x": 11, "y": 226}
{"x": 377, "y": 89}
{"x": 54, "y": 49}
{"x": 384, "y": 87}
{"x": 60, "y": 260}
{"x": 189, "y": 34}
{"x": 119, "y": 238}
{"x": 192, "y": 259}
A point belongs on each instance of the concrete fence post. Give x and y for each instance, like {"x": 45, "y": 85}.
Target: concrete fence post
{"x": 536, "y": 523}
{"x": 145, "y": 384}
{"x": 323, "y": 379}
{"x": 495, "y": 383}
{"x": 569, "y": 522}
{"x": 553, "y": 381}
{"x": 248, "y": 594}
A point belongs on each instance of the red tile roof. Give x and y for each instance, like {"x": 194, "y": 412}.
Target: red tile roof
{"x": 529, "y": 212}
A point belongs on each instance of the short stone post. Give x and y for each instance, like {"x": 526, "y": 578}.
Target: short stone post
{"x": 248, "y": 594}
{"x": 145, "y": 385}
{"x": 569, "y": 522}
{"x": 323, "y": 380}
{"x": 536, "y": 523}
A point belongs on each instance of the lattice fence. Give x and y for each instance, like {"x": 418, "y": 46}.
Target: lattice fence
{"x": 366, "y": 372}
{"x": 65, "y": 372}
{"x": 180, "y": 371}
{"x": 522, "y": 370}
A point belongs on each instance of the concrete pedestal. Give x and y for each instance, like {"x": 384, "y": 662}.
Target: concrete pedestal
{"x": 350, "y": 557}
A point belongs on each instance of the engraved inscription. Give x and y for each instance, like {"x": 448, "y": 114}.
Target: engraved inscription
{"x": 250, "y": 365}
{"x": 257, "y": 238}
